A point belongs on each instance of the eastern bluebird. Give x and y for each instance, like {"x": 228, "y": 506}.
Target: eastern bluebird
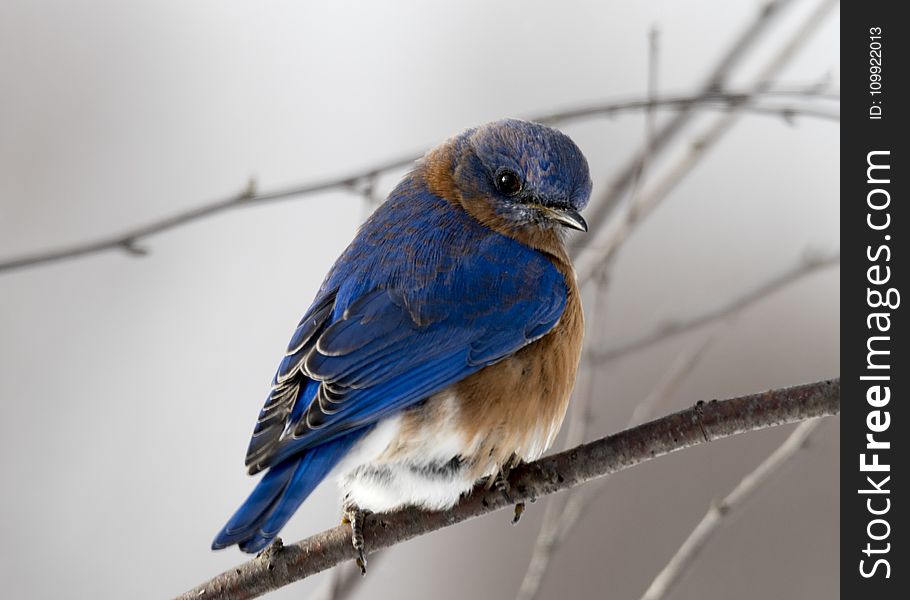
{"x": 443, "y": 344}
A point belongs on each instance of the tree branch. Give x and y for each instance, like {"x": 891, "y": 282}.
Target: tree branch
{"x": 345, "y": 579}
{"x": 671, "y": 574}
{"x": 609, "y": 239}
{"x": 678, "y": 327}
{"x": 717, "y": 100}
{"x": 705, "y": 421}
{"x": 601, "y": 210}
{"x": 363, "y": 182}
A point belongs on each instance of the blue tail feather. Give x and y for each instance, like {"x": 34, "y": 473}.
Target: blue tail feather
{"x": 279, "y": 493}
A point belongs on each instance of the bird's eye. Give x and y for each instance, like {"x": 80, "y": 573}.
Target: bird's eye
{"x": 507, "y": 182}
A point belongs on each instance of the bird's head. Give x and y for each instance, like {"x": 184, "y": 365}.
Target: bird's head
{"x": 520, "y": 178}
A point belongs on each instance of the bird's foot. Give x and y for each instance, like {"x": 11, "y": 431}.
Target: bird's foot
{"x": 354, "y": 516}
{"x": 271, "y": 551}
{"x": 501, "y": 483}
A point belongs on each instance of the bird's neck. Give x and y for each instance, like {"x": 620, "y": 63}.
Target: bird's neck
{"x": 436, "y": 171}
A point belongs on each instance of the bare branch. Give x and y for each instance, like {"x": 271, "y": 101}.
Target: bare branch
{"x": 719, "y": 100}
{"x": 671, "y": 574}
{"x": 611, "y": 238}
{"x": 600, "y": 211}
{"x": 704, "y": 422}
{"x": 679, "y": 327}
{"x": 363, "y": 182}
{"x": 248, "y": 197}
{"x": 670, "y": 382}
{"x": 345, "y": 578}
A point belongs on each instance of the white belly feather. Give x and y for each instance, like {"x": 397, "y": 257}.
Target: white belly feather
{"x": 431, "y": 466}
{"x": 384, "y": 472}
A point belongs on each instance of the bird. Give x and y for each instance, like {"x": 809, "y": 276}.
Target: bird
{"x": 442, "y": 346}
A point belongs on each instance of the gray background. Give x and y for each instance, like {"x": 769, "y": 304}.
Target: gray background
{"x": 128, "y": 387}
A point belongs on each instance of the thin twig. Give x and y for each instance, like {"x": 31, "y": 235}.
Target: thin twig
{"x": 363, "y": 182}
{"x": 599, "y": 213}
{"x": 704, "y": 422}
{"x": 680, "y": 326}
{"x": 671, "y": 574}
{"x": 670, "y": 382}
{"x": 345, "y": 578}
{"x": 718, "y": 100}
{"x": 612, "y": 237}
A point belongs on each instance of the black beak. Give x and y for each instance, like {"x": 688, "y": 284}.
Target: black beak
{"x": 568, "y": 218}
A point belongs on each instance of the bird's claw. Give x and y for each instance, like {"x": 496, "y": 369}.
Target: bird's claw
{"x": 502, "y": 484}
{"x": 271, "y": 551}
{"x": 354, "y": 516}
{"x": 519, "y": 510}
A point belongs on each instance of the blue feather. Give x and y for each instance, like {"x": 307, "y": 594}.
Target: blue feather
{"x": 279, "y": 493}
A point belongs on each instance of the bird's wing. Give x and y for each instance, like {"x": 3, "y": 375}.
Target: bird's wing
{"x": 389, "y": 347}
